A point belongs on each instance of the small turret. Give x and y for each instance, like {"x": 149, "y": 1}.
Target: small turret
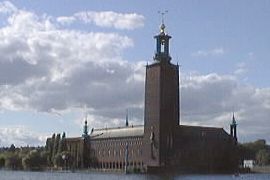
{"x": 127, "y": 118}
{"x": 85, "y": 128}
{"x": 162, "y": 44}
{"x": 233, "y": 126}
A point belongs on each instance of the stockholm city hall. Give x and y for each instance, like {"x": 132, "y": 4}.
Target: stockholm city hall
{"x": 162, "y": 143}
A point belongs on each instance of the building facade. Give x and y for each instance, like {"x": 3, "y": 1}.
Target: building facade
{"x": 161, "y": 143}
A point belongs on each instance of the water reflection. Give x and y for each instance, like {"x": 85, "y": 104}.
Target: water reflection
{"x": 23, "y": 175}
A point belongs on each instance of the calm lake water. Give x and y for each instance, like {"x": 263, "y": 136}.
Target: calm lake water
{"x": 22, "y": 175}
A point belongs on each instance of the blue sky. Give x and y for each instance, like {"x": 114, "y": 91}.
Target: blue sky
{"x": 61, "y": 60}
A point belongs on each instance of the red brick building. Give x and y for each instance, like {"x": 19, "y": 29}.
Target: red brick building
{"x": 161, "y": 143}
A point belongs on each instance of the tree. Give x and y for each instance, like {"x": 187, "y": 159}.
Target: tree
{"x": 34, "y": 160}
{"x": 58, "y": 160}
{"x": 67, "y": 159}
{"x": 2, "y": 162}
{"x": 62, "y": 144}
{"x": 63, "y": 135}
{"x": 263, "y": 157}
{"x": 12, "y": 148}
{"x": 251, "y": 149}
{"x": 55, "y": 146}
{"x": 50, "y": 149}
{"x": 13, "y": 161}
{"x": 44, "y": 157}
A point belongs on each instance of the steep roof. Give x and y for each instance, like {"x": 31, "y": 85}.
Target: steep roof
{"x": 119, "y": 132}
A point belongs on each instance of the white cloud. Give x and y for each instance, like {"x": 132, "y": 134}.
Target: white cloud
{"x": 50, "y": 69}
{"x": 64, "y": 20}
{"x": 210, "y": 52}
{"x": 20, "y": 136}
{"x": 7, "y": 7}
{"x": 241, "y": 69}
{"x": 112, "y": 19}
{"x": 211, "y": 99}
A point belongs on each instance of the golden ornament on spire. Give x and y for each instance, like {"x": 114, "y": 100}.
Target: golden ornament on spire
{"x": 162, "y": 26}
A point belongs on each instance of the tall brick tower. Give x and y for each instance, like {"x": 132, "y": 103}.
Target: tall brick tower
{"x": 161, "y": 104}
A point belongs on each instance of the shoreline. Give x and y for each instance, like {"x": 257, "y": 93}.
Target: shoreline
{"x": 261, "y": 169}
{"x": 255, "y": 170}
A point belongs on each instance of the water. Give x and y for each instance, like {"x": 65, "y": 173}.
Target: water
{"x": 23, "y": 175}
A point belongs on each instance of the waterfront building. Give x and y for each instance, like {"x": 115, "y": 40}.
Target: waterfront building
{"x": 162, "y": 143}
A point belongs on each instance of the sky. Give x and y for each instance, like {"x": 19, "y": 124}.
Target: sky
{"x": 61, "y": 61}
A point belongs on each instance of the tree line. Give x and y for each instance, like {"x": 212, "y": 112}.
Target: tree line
{"x": 257, "y": 150}
{"x": 53, "y": 155}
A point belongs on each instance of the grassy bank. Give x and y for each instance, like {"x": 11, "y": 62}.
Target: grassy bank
{"x": 261, "y": 169}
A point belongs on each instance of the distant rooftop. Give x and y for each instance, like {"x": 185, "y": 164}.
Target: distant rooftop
{"x": 118, "y": 132}
{"x": 200, "y": 130}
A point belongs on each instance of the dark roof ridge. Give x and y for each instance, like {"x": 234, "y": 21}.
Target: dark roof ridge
{"x": 122, "y": 127}
{"x": 205, "y": 127}
{"x": 73, "y": 138}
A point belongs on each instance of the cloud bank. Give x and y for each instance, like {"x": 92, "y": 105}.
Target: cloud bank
{"x": 210, "y": 52}
{"x": 211, "y": 99}
{"x": 112, "y": 19}
{"x": 45, "y": 67}
{"x": 20, "y": 136}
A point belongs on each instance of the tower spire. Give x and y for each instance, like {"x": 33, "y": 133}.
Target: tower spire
{"x": 233, "y": 119}
{"x": 162, "y": 26}
{"x": 233, "y": 128}
{"x": 85, "y": 127}
{"x": 162, "y": 42}
{"x": 127, "y": 118}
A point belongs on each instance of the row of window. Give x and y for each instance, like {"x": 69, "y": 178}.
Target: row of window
{"x": 106, "y": 143}
{"x": 119, "y": 165}
{"x": 118, "y": 153}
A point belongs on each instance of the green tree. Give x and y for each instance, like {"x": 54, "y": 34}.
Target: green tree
{"x": 55, "y": 146}
{"x": 251, "y": 149}
{"x": 34, "y": 160}
{"x": 13, "y": 161}
{"x": 64, "y": 160}
{"x": 58, "y": 160}
{"x": 12, "y": 148}
{"x": 44, "y": 158}
{"x": 62, "y": 143}
{"x": 2, "y": 162}
{"x": 67, "y": 159}
{"x": 50, "y": 147}
{"x": 263, "y": 157}
{"x": 63, "y": 135}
